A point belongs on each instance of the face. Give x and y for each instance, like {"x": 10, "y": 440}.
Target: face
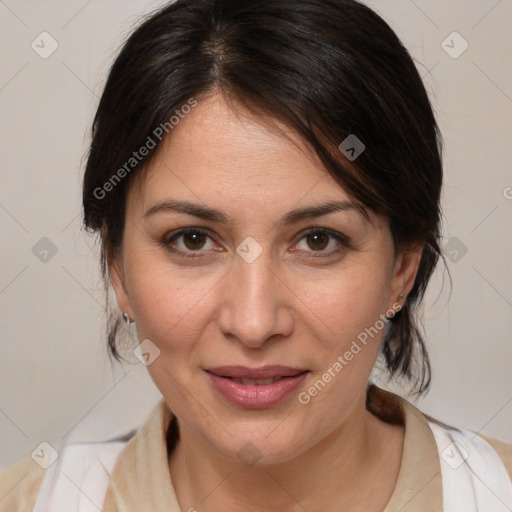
{"x": 254, "y": 285}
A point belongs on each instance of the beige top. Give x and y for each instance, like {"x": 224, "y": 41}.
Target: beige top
{"x": 141, "y": 481}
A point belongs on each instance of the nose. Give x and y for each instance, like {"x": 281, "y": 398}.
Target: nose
{"x": 256, "y": 302}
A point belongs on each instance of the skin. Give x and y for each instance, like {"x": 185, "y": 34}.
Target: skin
{"x": 286, "y": 307}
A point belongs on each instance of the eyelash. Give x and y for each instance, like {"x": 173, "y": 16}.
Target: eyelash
{"x": 344, "y": 240}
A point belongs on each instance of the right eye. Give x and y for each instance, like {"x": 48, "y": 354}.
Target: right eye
{"x": 193, "y": 240}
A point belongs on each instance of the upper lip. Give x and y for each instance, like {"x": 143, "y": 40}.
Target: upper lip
{"x": 264, "y": 372}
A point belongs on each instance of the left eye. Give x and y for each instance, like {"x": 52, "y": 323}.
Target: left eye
{"x": 318, "y": 240}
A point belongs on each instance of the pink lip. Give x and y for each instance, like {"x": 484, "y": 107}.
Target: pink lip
{"x": 255, "y": 397}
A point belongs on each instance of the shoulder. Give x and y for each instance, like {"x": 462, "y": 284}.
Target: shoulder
{"x": 389, "y": 406}
{"x": 19, "y": 485}
{"x": 504, "y": 451}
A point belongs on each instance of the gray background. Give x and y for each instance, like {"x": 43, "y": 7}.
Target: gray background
{"x": 55, "y": 374}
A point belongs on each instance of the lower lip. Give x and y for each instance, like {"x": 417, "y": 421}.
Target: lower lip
{"x": 256, "y": 397}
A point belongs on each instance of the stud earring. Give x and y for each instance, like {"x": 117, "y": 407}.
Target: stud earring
{"x": 127, "y": 319}
{"x": 401, "y": 296}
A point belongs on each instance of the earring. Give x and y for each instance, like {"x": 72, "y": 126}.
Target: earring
{"x": 401, "y": 296}
{"x": 127, "y": 319}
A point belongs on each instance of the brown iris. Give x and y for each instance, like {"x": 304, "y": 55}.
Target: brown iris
{"x": 198, "y": 240}
{"x": 317, "y": 237}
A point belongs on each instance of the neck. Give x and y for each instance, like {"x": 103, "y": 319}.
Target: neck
{"x": 337, "y": 472}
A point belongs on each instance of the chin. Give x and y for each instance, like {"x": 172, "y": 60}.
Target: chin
{"x": 260, "y": 449}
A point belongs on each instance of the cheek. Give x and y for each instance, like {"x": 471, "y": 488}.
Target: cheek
{"x": 351, "y": 330}
{"x": 344, "y": 305}
{"x": 170, "y": 305}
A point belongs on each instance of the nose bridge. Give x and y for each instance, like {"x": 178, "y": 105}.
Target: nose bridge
{"x": 255, "y": 306}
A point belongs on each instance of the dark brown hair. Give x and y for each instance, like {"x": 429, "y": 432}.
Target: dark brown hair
{"x": 326, "y": 68}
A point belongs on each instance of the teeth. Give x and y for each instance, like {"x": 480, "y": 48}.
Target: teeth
{"x": 251, "y": 382}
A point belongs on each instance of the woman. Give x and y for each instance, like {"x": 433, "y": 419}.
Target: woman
{"x": 265, "y": 177}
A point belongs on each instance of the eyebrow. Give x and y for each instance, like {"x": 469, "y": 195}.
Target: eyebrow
{"x": 289, "y": 218}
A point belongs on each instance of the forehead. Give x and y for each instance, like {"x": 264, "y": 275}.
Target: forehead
{"x": 223, "y": 156}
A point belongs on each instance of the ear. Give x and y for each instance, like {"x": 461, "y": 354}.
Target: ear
{"x": 117, "y": 276}
{"x": 404, "y": 274}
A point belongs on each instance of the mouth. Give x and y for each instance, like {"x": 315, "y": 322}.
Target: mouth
{"x": 255, "y": 388}
{"x": 253, "y": 382}
{"x": 257, "y": 382}
{"x": 256, "y": 376}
